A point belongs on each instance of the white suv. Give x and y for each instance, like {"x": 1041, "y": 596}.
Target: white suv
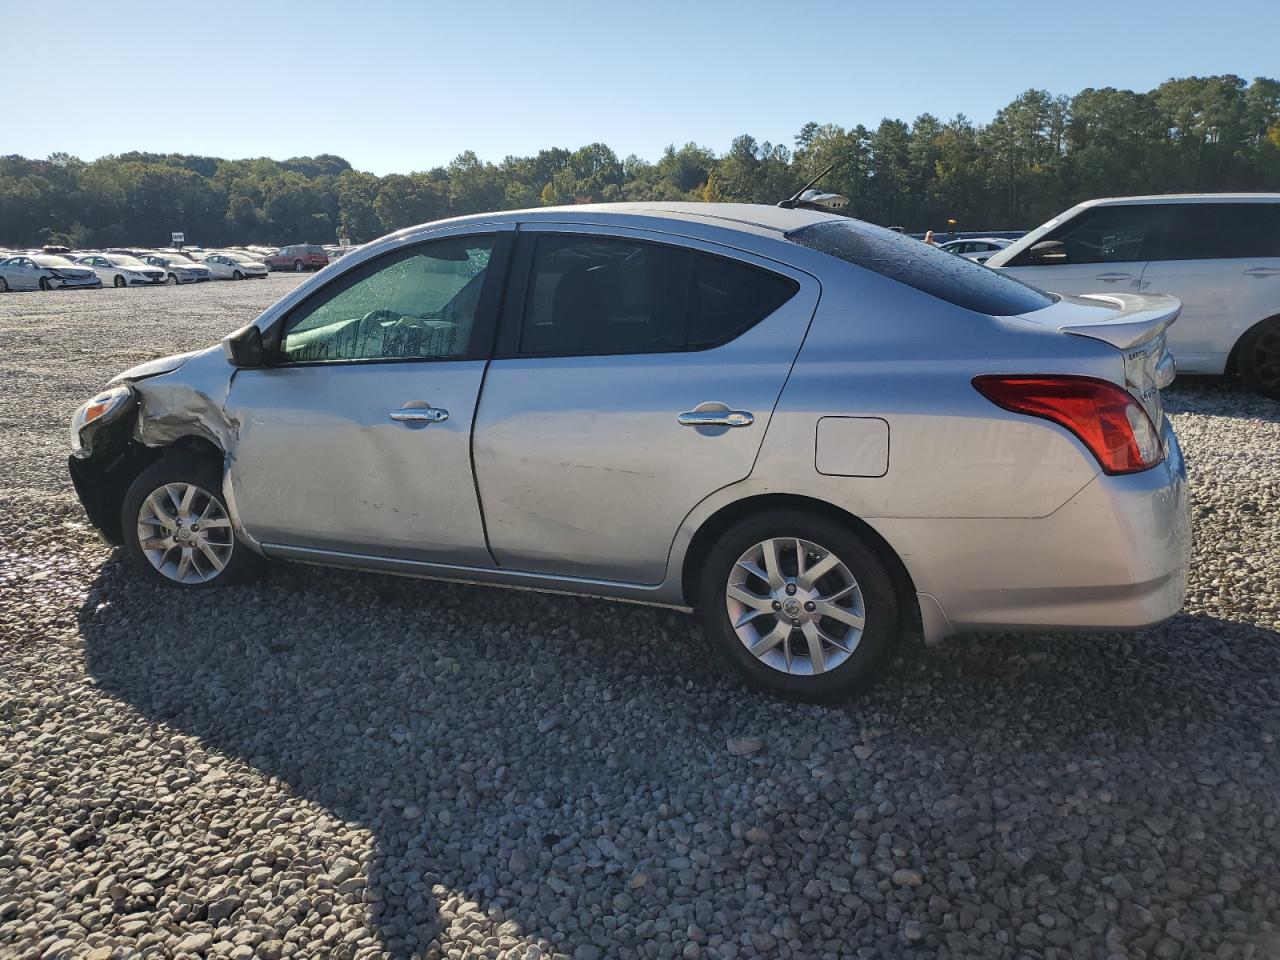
{"x": 1217, "y": 253}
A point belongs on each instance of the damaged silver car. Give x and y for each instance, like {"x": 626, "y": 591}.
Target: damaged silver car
{"x": 825, "y": 436}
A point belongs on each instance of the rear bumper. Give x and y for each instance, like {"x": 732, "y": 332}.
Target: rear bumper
{"x": 1114, "y": 557}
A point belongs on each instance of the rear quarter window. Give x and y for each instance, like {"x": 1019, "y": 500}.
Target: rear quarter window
{"x": 926, "y": 268}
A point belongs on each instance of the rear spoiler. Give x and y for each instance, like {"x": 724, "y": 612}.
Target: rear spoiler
{"x": 1141, "y": 317}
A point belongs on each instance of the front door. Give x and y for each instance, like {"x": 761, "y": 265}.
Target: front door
{"x": 633, "y": 379}
{"x": 1105, "y": 251}
{"x": 358, "y": 439}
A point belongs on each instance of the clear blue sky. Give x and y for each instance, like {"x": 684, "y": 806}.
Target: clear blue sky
{"x": 400, "y": 86}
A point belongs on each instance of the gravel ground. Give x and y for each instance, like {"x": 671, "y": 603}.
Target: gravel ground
{"x": 343, "y": 765}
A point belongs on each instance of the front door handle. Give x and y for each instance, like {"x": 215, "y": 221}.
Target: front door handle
{"x": 716, "y": 418}
{"x": 1262, "y": 272}
{"x": 1113, "y": 277}
{"x": 419, "y": 414}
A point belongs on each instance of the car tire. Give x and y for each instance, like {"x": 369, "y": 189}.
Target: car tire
{"x": 4, "y": 285}
{"x": 1259, "y": 358}
{"x": 118, "y": 281}
{"x": 44, "y": 284}
{"x": 237, "y": 275}
{"x": 173, "y": 279}
{"x": 857, "y": 586}
{"x": 200, "y": 557}
{"x": 298, "y": 266}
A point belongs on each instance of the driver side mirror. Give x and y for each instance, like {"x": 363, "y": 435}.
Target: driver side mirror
{"x": 244, "y": 348}
{"x": 1047, "y": 252}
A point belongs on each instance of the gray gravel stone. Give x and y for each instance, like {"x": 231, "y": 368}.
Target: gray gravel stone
{"x": 344, "y": 765}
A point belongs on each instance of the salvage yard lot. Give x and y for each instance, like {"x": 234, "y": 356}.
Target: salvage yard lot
{"x": 340, "y": 764}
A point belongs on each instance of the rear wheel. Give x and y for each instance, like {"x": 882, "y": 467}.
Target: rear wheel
{"x": 800, "y": 605}
{"x": 119, "y": 281}
{"x": 4, "y": 285}
{"x": 44, "y": 284}
{"x": 1259, "y": 359}
{"x": 297, "y": 266}
{"x": 177, "y": 528}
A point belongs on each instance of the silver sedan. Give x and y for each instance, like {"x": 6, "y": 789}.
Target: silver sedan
{"x": 825, "y": 436}
{"x": 42, "y": 271}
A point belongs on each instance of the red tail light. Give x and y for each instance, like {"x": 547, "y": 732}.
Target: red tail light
{"x": 1106, "y": 418}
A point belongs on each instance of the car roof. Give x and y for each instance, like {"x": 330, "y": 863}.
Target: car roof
{"x": 1184, "y": 198}
{"x": 758, "y": 218}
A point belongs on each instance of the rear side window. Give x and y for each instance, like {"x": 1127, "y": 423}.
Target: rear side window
{"x": 609, "y": 295}
{"x": 1220, "y": 231}
{"x": 928, "y": 269}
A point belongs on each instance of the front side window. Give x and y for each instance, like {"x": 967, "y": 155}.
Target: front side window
{"x": 1114, "y": 234}
{"x": 610, "y": 295}
{"x": 418, "y": 304}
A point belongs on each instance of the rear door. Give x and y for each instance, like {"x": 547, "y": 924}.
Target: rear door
{"x": 633, "y": 379}
{"x": 1105, "y": 250}
{"x": 1222, "y": 260}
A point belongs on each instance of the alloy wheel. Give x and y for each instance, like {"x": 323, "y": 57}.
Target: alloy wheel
{"x": 185, "y": 533}
{"x": 795, "y": 606}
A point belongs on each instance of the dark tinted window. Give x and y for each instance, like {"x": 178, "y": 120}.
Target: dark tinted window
{"x": 594, "y": 295}
{"x": 1119, "y": 234}
{"x": 1214, "y": 231}
{"x": 728, "y": 297}
{"x": 931, "y": 270}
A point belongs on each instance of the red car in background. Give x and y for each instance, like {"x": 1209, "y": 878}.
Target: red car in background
{"x": 298, "y": 257}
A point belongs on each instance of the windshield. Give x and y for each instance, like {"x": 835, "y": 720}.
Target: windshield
{"x": 119, "y": 260}
{"x": 928, "y": 269}
{"x": 48, "y": 261}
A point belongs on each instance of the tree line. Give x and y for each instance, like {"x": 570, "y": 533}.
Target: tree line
{"x": 1039, "y": 155}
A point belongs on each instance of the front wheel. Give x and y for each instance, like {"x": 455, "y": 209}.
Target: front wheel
{"x": 298, "y": 266}
{"x": 4, "y": 285}
{"x": 119, "y": 281}
{"x": 1260, "y": 359}
{"x": 800, "y": 605}
{"x": 173, "y": 279}
{"x": 177, "y": 528}
{"x": 44, "y": 284}
{"x": 237, "y": 275}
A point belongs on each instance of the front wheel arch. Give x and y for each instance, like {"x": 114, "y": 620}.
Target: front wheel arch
{"x": 727, "y": 516}
{"x": 107, "y": 477}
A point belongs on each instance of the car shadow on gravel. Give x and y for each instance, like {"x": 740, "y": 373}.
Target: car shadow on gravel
{"x": 528, "y": 757}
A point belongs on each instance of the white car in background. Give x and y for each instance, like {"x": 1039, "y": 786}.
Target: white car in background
{"x": 977, "y": 249}
{"x": 178, "y": 269}
{"x": 122, "y": 270}
{"x": 1218, "y": 253}
{"x": 43, "y": 271}
{"x": 233, "y": 266}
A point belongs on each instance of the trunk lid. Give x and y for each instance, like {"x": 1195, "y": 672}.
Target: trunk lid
{"x": 1135, "y": 324}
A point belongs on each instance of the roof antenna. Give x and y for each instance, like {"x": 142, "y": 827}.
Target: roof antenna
{"x": 811, "y": 199}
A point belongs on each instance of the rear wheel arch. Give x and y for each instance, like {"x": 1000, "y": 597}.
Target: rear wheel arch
{"x": 715, "y": 526}
{"x": 1233, "y": 358}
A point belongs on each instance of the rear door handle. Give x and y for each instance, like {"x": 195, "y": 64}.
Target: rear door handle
{"x": 716, "y": 418}
{"x": 1262, "y": 272}
{"x": 420, "y": 415}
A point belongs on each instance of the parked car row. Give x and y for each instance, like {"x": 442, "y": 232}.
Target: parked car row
{"x": 57, "y": 267}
